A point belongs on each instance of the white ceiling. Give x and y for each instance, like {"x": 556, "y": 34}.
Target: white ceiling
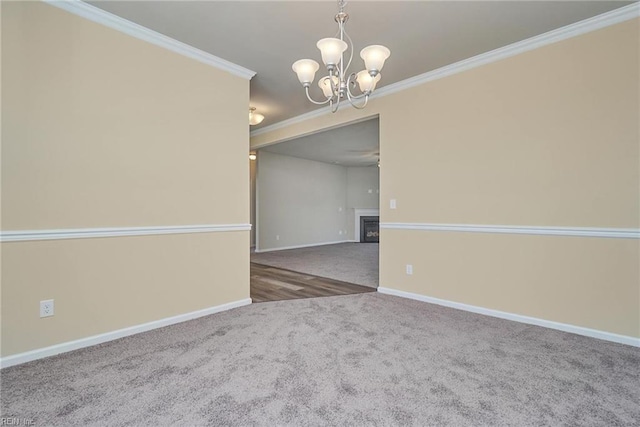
{"x": 268, "y": 36}
{"x": 353, "y": 145}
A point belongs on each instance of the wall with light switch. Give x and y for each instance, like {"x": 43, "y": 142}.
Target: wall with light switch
{"x": 547, "y": 138}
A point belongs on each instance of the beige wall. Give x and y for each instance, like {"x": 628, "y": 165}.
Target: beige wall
{"x": 253, "y": 170}
{"x": 101, "y": 285}
{"x": 104, "y": 130}
{"x": 545, "y": 138}
{"x": 585, "y": 281}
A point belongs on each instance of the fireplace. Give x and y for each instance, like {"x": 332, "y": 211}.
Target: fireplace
{"x": 369, "y": 229}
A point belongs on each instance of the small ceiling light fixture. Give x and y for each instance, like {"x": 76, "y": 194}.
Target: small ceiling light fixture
{"x": 255, "y": 118}
{"x": 338, "y": 83}
{"x": 252, "y": 156}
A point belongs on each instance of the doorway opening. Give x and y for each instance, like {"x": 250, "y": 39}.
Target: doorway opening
{"x": 310, "y": 196}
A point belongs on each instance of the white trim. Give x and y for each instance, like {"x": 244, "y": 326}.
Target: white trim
{"x": 572, "y": 30}
{"x": 362, "y": 212}
{"x": 569, "y": 31}
{"x": 593, "y": 333}
{"x": 122, "y": 25}
{"x": 40, "y": 353}
{"x": 618, "y": 233}
{"x": 302, "y": 118}
{"x": 89, "y": 233}
{"x": 302, "y": 246}
{"x": 292, "y": 121}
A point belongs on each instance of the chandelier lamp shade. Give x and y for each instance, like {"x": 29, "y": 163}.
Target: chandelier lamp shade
{"x": 338, "y": 83}
{"x": 255, "y": 118}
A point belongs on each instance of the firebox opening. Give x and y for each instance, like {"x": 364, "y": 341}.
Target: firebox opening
{"x": 369, "y": 229}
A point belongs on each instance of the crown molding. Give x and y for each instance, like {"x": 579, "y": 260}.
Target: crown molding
{"x": 572, "y": 30}
{"x": 613, "y": 233}
{"x": 309, "y": 115}
{"x": 292, "y": 121}
{"x": 95, "y": 14}
{"x": 90, "y": 233}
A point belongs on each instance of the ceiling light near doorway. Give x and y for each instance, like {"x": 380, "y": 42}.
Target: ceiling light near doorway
{"x": 255, "y": 118}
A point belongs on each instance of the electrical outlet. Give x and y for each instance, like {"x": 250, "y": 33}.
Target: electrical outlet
{"x": 277, "y": 237}
{"x": 409, "y": 269}
{"x": 392, "y": 203}
{"x": 46, "y": 308}
{"x": 340, "y": 232}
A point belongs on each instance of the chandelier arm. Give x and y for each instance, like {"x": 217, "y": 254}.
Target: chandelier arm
{"x": 360, "y": 107}
{"x": 352, "y": 99}
{"x": 306, "y": 89}
{"x": 350, "y": 95}
{"x": 351, "y": 49}
{"x": 335, "y": 105}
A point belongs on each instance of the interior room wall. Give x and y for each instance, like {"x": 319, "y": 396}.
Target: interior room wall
{"x": 103, "y": 130}
{"x": 545, "y": 138}
{"x": 300, "y": 202}
{"x": 363, "y": 192}
{"x": 253, "y": 166}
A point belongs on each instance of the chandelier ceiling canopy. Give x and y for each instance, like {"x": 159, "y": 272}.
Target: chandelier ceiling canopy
{"x": 338, "y": 83}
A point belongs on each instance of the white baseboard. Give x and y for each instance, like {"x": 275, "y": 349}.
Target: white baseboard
{"x": 593, "y": 333}
{"x": 302, "y": 246}
{"x": 40, "y": 353}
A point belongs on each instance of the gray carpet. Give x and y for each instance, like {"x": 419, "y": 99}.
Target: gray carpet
{"x": 350, "y": 262}
{"x": 367, "y": 359}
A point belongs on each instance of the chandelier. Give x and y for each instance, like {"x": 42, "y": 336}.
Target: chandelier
{"x": 338, "y": 83}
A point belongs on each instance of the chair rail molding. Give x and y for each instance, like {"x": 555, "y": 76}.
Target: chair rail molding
{"x": 89, "y": 233}
{"x": 617, "y": 233}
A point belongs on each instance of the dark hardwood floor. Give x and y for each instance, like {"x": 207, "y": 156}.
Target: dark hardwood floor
{"x": 276, "y": 284}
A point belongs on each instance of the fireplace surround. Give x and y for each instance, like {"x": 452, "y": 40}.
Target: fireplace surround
{"x": 369, "y": 229}
{"x": 359, "y": 213}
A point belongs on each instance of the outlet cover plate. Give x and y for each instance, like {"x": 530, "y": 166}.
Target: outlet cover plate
{"x": 46, "y": 308}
